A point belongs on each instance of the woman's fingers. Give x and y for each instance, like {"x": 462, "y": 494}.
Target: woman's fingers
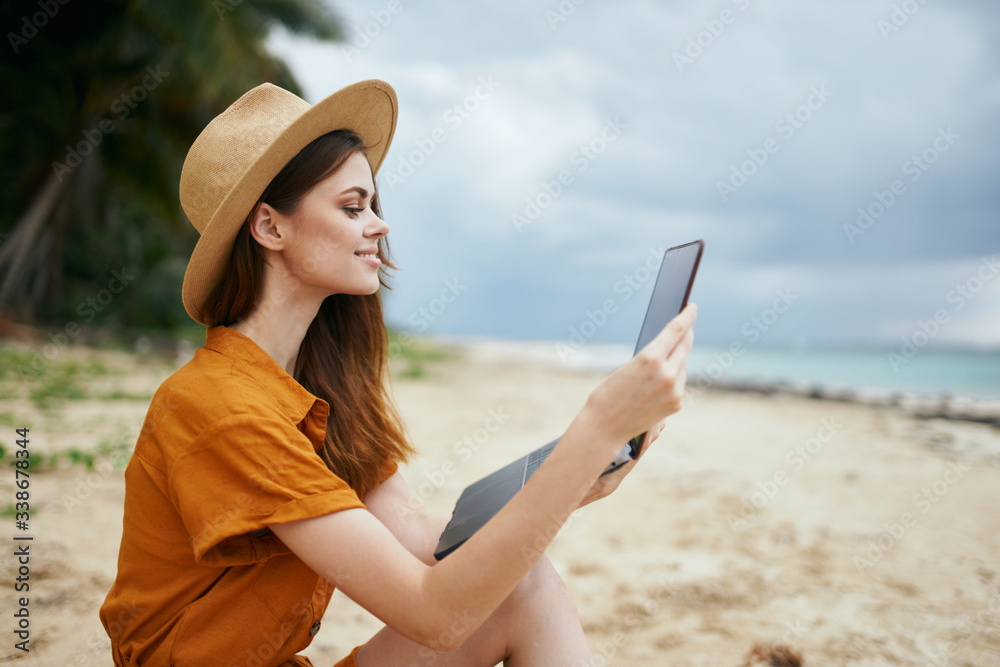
{"x": 650, "y": 386}
{"x": 673, "y": 333}
{"x": 676, "y": 362}
{"x": 664, "y": 357}
{"x": 651, "y": 436}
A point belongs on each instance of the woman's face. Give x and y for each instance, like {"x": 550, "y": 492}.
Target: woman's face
{"x": 332, "y": 238}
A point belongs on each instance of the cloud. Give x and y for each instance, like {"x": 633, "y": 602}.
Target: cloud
{"x": 808, "y": 112}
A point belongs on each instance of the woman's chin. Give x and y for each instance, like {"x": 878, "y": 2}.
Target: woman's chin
{"x": 361, "y": 290}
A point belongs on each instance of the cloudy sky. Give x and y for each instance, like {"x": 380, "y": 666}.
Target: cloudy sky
{"x": 546, "y": 149}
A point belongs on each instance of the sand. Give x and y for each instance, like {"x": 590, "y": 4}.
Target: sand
{"x": 856, "y": 534}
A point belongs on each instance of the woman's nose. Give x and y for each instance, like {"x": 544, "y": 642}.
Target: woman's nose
{"x": 377, "y": 227}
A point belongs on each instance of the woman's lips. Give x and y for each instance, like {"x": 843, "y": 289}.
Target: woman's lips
{"x": 371, "y": 259}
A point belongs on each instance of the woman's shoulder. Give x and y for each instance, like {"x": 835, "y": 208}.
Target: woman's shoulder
{"x": 208, "y": 393}
{"x": 231, "y": 373}
{"x": 209, "y": 382}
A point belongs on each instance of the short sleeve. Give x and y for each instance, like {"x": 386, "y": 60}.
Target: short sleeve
{"x": 246, "y": 473}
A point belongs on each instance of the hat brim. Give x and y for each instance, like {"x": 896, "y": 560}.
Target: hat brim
{"x": 367, "y": 108}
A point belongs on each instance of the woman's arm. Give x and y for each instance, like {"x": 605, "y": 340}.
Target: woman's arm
{"x": 360, "y": 555}
{"x": 396, "y": 505}
{"x": 402, "y": 512}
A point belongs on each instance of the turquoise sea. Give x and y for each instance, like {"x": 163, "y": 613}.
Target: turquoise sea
{"x": 955, "y": 373}
{"x": 969, "y": 373}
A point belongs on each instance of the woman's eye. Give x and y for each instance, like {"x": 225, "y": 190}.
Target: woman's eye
{"x": 353, "y": 211}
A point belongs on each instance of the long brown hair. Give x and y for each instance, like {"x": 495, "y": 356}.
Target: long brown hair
{"x": 344, "y": 356}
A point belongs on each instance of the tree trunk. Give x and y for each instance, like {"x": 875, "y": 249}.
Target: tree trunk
{"x": 18, "y": 254}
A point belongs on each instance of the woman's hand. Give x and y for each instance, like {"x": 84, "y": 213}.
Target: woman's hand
{"x": 606, "y": 484}
{"x": 646, "y": 389}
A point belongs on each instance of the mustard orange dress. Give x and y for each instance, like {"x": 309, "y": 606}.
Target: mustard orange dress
{"x": 229, "y": 446}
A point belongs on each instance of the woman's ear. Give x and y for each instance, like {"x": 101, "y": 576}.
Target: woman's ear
{"x": 264, "y": 227}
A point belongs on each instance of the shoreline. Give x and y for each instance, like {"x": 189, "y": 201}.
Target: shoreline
{"x": 922, "y": 406}
{"x": 603, "y": 359}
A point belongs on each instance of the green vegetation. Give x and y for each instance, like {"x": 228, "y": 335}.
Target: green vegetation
{"x": 77, "y": 457}
{"x": 49, "y": 383}
{"x": 409, "y": 355}
{"x": 11, "y": 360}
{"x": 57, "y": 383}
{"x": 116, "y": 450}
{"x": 120, "y": 395}
{"x": 107, "y": 97}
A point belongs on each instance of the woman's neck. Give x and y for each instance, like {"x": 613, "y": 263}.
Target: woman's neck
{"x": 279, "y": 321}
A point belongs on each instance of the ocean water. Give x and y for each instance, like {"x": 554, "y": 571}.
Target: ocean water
{"x": 955, "y": 373}
{"x": 974, "y": 374}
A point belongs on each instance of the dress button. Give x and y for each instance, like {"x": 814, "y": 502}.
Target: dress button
{"x": 314, "y": 629}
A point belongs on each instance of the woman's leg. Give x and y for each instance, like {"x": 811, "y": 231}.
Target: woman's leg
{"x": 537, "y": 625}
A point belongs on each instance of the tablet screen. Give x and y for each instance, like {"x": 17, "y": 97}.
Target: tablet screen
{"x": 670, "y": 293}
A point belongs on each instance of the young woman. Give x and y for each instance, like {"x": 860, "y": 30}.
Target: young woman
{"x": 265, "y": 472}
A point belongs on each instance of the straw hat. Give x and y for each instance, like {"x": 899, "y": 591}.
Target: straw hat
{"x": 238, "y": 154}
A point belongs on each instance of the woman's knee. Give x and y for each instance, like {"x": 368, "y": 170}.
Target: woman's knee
{"x": 540, "y": 619}
{"x": 542, "y": 588}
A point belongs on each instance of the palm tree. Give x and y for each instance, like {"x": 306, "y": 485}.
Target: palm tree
{"x": 102, "y": 100}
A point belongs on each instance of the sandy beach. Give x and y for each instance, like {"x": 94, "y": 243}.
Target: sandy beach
{"x": 855, "y": 534}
